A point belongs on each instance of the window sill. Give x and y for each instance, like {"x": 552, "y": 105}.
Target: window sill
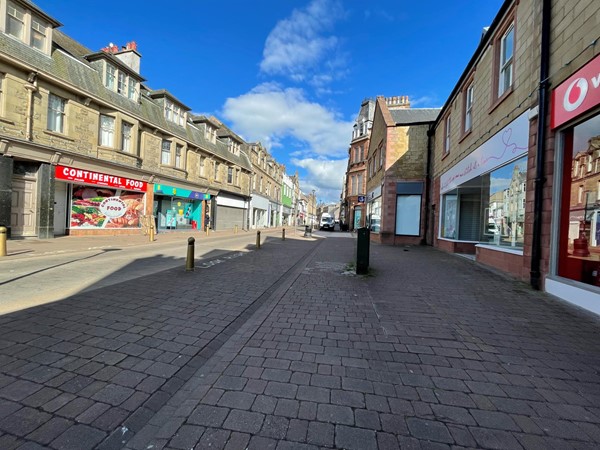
{"x": 445, "y": 155}
{"x": 10, "y": 122}
{"x": 59, "y": 135}
{"x": 465, "y": 135}
{"x": 501, "y": 249}
{"x": 500, "y": 99}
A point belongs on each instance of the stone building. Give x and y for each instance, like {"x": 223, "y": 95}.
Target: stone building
{"x": 397, "y": 171}
{"x": 355, "y": 180}
{"x": 514, "y": 145}
{"x": 267, "y": 179}
{"x": 87, "y": 148}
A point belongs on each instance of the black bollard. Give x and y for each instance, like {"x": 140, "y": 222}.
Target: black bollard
{"x": 189, "y": 262}
{"x": 258, "y": 239}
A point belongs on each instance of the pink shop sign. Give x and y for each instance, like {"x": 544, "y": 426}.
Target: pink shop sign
{"x": 507, "y": 144}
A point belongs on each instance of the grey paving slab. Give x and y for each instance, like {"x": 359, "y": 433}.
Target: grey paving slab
{"x": 428, "y": 351}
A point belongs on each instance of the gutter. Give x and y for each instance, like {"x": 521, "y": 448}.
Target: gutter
{"x": 536, "y": 245}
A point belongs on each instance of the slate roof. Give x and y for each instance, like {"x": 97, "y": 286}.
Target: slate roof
{"x": 408, "y": 116}
{"x": 67, "y": 64}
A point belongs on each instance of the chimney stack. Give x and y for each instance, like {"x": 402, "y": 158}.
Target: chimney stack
{"x": 128, "y": 54}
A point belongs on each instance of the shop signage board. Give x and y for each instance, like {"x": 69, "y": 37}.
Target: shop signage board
{"x": 165, "y": 189}
{"x": 577, "y": 94}
{"x": 99, "y": 179}
{"x": 506, "y": 145}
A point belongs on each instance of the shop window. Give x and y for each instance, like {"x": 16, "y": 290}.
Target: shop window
{"x": 56, "y": 113}
{"x": 107, "y": 131}
{"x": 489, "y": 209}
{"x": 374, "y": 217}
{"x": 408, "y": 215}
{"x": 579, "y": 228}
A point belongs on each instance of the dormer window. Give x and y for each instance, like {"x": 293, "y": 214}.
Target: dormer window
{"x": 234, "y": 147}
{"x": 15, "y": 24}
{"x": 24, "y": 25}
{"x": 174, "y": 113}
{"x": 109, "y": 81}
{"x": 38, "y": 35}
{"x": 119, "y": 81}
{"x": 210, "y": 134}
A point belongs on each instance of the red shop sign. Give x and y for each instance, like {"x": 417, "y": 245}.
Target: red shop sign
{"x": 100, "y": 179}
{"x": 577, "y": 94}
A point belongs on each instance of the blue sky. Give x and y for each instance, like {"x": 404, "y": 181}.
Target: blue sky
{"x": 290, "y": 73}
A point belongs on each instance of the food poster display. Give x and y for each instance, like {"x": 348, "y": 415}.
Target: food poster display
{"x": 100, "y": 207}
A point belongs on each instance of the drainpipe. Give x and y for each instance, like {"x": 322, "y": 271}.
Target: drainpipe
{"x": 536, "y": 245}
{"x": 31, "y": 87}
{"x": 427, "y": 187}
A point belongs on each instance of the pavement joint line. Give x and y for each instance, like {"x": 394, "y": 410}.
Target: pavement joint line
{"x": 185, "y": 400}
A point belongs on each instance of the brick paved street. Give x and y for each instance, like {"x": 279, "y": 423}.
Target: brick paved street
{"x": 284, "y": 348}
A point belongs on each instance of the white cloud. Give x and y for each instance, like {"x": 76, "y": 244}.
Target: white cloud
{"x": 324, "y": 176}
{"x": 270, "y": 113}
{"x": 298, "y": 44}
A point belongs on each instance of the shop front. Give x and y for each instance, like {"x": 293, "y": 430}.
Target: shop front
{"x": 482, "y": 200}
{"x": 374, "y": 210}
{"x": 230, "y": 213}
{"x": 98, "y": 203}
{"x": 260, "y": 206}
{"x": 575, "y": 118}
{"x": 178, "y": 209}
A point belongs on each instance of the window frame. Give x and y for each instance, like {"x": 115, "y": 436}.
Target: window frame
{"x": 28, "y": 29}
{"x": 509, "y": 24}
{"x": 506, "y": 62}
{"x": 106, "y": 136}
{"x": 56, "y": 114}
{"x": 126, "y": 137}
{"x": 468, "y": 101}
{"x": 163, "y": 152}
{"x": 179, "y": 156}
{"x": 447, "y": 135}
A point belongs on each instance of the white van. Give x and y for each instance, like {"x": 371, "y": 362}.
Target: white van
{"x": 326, "y": 222}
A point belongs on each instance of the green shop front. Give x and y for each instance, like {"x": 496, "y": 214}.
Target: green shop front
{"x": 178, "y": 209}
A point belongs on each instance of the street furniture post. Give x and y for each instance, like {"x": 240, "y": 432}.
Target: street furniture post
{"x": 189, "y": 262}
{"x": 283, "y": 234}
{"x": 307, "y": 231}
{"x": 235, "y": 231}
{"x": 3, "y": 231}
{"x": 151, "y": 231}
{"x": 362, "y": 251}
{"x": 258, "y": 239}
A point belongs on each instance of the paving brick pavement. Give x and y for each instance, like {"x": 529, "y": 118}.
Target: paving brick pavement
{"x": 429, "y": 351}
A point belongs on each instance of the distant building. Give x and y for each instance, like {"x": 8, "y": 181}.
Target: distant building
{"x": 397, "y": 171}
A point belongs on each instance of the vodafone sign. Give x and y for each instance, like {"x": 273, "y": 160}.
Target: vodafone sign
{"x": 577, "y": 94}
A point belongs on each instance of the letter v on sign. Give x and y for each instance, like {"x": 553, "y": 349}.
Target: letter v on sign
{"x": 596, "y": 81}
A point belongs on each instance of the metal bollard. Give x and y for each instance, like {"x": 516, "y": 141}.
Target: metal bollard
{"x": 3, "y": 231}
{"x": 362, "y": 251}
{"x": 189, "y": 262}
{"x": 235, "y": 231}
{"x": 258, "y": 239}
{"x": 307, "y": 231}
{"x": 283, "y": 234}
{"x": 151, "y": 232}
